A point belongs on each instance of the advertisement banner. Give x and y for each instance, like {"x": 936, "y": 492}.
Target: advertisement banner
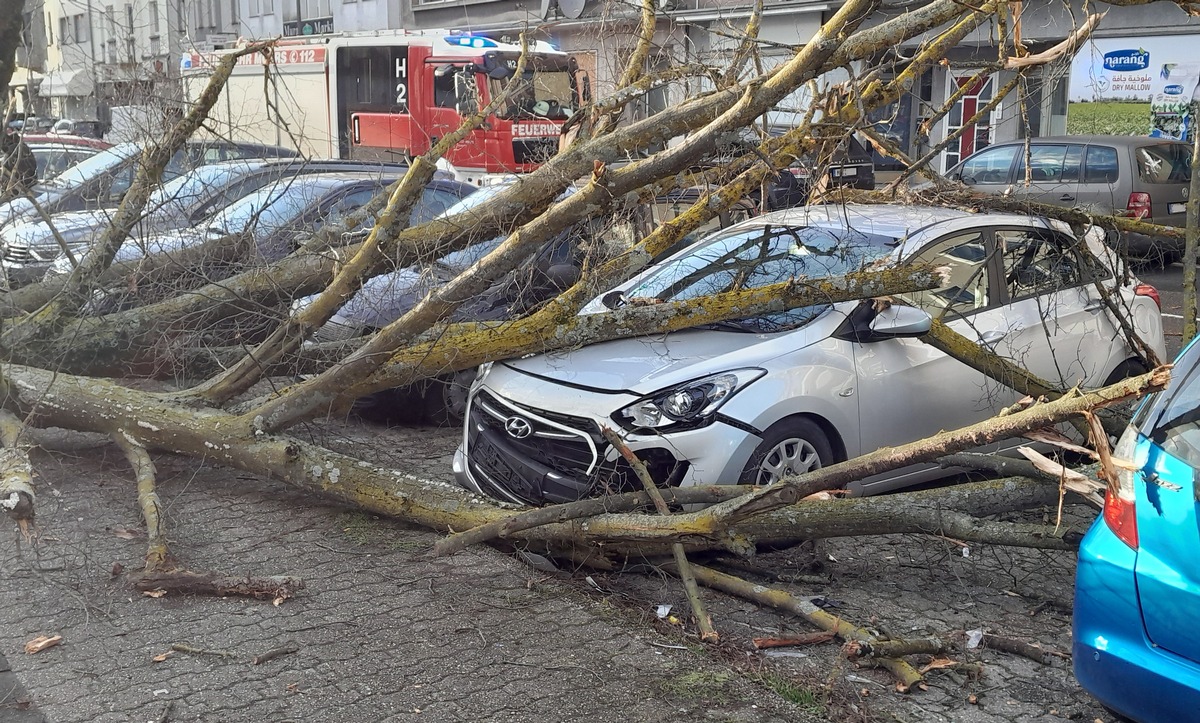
{"x": 1132, "y": 85}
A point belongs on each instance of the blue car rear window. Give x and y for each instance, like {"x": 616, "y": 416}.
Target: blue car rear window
{"x": 1171, "y": 418}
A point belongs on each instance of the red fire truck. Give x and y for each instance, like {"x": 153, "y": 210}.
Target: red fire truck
{"x": 390, "y": 95}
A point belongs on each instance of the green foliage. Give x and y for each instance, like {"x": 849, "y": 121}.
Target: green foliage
{"x": 809, "y": 700}
{"x": 1108, "y": 118}
{"x": 699, "y": 685}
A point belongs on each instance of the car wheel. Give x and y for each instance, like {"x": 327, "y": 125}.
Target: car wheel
{"x": 446, "y": 398}
{"x": 790, "y": 446}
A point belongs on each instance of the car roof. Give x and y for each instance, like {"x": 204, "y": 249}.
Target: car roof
{"x": 892, "y": 220}
{"x": 66, "y": 140}
{"x": 1107, "y": 140}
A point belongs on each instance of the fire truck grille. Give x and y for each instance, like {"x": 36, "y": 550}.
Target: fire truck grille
{"x": 534, "y": 150}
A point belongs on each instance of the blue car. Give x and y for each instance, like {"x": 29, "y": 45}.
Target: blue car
{"x": 1136, "y": 625}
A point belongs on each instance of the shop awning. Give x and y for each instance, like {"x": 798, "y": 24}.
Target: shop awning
{"x": 63, "y": 83}
{"x": 24, "y": 77}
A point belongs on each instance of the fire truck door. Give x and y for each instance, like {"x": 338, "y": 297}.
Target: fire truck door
{"x": 455, "y": 95}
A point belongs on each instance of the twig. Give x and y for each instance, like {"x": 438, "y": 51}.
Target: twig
{"x": 166, "y": 711}
{"x": 785, "y": 641}
{"x": 1016, "y": 647}
{"x": 703, "y": 621}
{"x": 185, "y": 648}
{"x": 906, "y": 675}
{"x": 276, "y": 653}
{"x": 158, "y": 557}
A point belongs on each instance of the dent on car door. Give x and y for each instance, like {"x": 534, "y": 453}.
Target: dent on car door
{"x": 1054, "y": 324}
{"x": 908, "y": 389}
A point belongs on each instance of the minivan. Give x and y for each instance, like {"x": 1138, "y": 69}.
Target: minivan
{"x": 1138, "y": 177}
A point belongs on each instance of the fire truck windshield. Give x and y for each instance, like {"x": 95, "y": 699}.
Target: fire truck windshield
{"x": 546, "y": 91}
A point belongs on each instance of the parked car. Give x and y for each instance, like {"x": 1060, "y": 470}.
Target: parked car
{"x": 276, "y": 217}
{"x": 31, "y": 124}
{"x": 552, "y": 269}
{"x": 72, "y": 127}
{"x": 1136, "y": 645}
{"x": 752, "y": 400}
{"x": 851, "y": 166}
{"x": 183, "y": 202}
{"x": 55, "y": 154}
{"x": 101, "y": 181}
{"x": 1139, "y": 177}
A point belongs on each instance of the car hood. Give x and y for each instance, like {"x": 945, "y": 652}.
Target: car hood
{"x": 75, "y": 227}
{"x": 132, "y": 249}
{"x": 648, "y": 364}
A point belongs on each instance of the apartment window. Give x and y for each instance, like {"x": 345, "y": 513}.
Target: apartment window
{"x": 255, "y": 8}
{"x": 233, "y": 12}
{"x": 110, "y": 21}
{"x": 81, "y": 28}
{"x": 129, "y": 17}
{"x": 50, "y": 29}
{"x": 152, "y": 8}
{"x": 64, "y": 31}
{"x": 110, "y": 51}
{"x": 316, "y": 9}
{"x": 155, "y": 45}
{"x": 268, "y": 7}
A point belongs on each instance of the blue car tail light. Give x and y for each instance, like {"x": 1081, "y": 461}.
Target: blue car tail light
{"x": 1120, "y": 505}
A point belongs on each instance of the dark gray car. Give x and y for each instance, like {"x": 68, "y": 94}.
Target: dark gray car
{"x": 1139, "y": 177}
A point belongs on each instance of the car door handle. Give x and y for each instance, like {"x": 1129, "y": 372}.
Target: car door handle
{"x": 991, "y": 338}
{"x": 1066, "y": 197}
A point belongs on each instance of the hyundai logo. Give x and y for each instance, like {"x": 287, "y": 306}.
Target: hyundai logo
{"x": 518, "y": 427}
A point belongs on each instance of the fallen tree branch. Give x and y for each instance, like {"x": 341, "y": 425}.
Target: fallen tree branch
{"x": 276, "y": 587}
{"x": 158, "y": 557}
{"x": 906, "y": 675}
{"x": 17, "y": 495}
{"x": 683, "y": 568}
{"x": 589, "y": 507}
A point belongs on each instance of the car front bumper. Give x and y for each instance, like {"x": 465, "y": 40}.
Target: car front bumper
{"x": 1112, "y": 657}
{"x": 564, "y": 456}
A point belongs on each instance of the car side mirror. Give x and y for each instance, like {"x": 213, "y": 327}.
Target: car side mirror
{"x": 562, "y": 276}
{"x": 897, "y": 322}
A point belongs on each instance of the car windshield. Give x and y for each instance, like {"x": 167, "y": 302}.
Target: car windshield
{"x": 548, "y": 91}
{"x": 749, "y": 258}
{"x": 89, "y": 168}
{"x": 272, "y": 208}
{"x": 191, "y": 187}
{"x": 463, "y": 258}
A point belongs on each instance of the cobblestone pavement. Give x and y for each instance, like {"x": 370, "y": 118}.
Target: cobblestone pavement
{"x": 384, "y": 632}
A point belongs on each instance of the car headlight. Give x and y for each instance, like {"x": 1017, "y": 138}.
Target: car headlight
{"x": 481, "y": 374}
{"x": 691, "y": 404}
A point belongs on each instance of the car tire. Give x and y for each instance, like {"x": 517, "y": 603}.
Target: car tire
{"x": 446, "y": 398}
{"x": 790, "y": 446}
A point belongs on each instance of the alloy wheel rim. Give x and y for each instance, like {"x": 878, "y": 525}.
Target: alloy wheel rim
{"x": 789, "y": 457}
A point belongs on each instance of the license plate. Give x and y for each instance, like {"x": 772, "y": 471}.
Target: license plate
{"x": 1176, "y": 207}
{"x": 492, "y": 462}
{"x": 846, "y": 172}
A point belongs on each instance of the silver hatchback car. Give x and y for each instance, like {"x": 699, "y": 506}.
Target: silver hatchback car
{"x": 1139, "y": 177}
{"x": 751, "y": 400}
